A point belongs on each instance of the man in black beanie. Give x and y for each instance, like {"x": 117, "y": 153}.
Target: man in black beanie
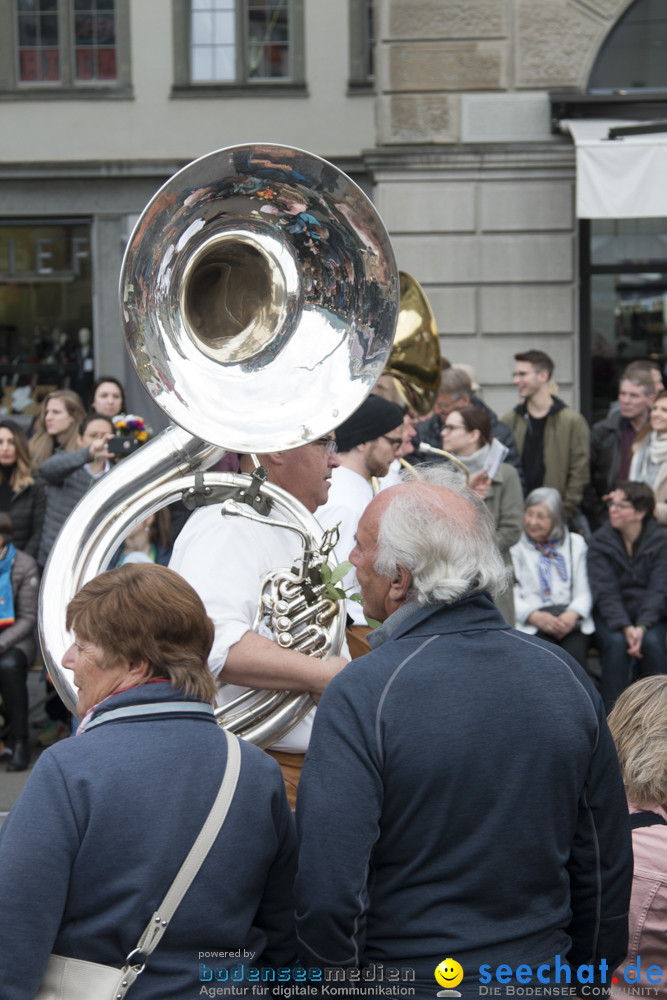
{"x": 367, "y": 444}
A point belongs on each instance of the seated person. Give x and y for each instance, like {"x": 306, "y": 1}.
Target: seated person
{"x": 19, "y": 587}
{"x": 551, "y": 594}
{"x": 627, "y": 572}
{"x": 638, "y": 724}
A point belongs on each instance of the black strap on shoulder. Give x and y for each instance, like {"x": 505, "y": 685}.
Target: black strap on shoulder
{"x": 646, "y": 818}
{"x": 201, "y": 495}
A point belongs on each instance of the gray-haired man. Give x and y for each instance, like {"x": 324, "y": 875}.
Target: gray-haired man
{"x": 461, "y": 796}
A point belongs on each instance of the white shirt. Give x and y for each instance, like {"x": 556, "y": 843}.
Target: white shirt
{"x": 349, "y": 496}
{"x": 225, "y": 560}
{"x": 393, "y": 477}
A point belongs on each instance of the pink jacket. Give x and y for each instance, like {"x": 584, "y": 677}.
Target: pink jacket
{"x": 648, "y": 911}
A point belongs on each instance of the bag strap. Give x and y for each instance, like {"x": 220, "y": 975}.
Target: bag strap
{"x": 646, "y": 818}
{"x": 136, "y": 960}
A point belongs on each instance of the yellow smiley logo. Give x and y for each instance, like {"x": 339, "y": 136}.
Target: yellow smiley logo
{"x": 448, "y": 973}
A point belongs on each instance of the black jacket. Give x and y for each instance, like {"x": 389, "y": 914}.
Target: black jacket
{"x": 26, "y": 508}
{"x": 606, "y": 453}
{"x": 629, "y": 591}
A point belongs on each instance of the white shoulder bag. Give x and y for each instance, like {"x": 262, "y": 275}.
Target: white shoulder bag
{"x": 75, "y": 979}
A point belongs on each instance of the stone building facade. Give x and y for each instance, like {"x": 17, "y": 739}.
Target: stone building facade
{"x": 449, "y": 128}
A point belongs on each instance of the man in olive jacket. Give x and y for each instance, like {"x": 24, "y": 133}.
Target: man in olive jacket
{"x": 553, "y": 440}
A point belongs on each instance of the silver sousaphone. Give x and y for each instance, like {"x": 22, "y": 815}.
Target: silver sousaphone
{"x": 259, "y": 296}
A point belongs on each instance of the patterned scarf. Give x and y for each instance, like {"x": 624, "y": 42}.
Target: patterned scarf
{"x": 6, "y": 595}
{"x": 549, "y": 556}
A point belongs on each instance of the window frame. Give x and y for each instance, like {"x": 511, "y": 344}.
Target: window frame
{"x": 67, "y": 88}
{"x": 265, "y": 87}
{"x": 360, "y": 80}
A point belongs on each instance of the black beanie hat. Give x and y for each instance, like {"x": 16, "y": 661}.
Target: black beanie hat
{"x": 374, "y": 418}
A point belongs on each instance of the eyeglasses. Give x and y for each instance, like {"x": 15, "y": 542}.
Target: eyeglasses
{"x": 618, "y": 505}
{"x": 453, "y": 427}
{"x": 394, "y": 442}
{"x": 329, "y": 445}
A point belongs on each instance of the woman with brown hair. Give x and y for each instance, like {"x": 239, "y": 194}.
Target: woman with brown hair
{"x": 22, "y": 493}
{"x": 56, "y": 426}
{"x": 107, "y": 818}
{"x": 107, "y": 397}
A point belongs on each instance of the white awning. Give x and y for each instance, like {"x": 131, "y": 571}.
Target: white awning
{"x": 624, "y": 178}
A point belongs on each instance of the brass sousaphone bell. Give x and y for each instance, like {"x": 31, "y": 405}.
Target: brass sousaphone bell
{"x": 259, "y": 295}
{"x": 414, "y": 362}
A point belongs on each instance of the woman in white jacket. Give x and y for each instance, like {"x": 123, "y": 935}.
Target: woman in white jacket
{"x": 551, "y": 594}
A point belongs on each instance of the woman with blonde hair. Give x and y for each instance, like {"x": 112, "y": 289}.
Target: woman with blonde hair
{"x": 638, "y": 723}
{"x": 22, "y": 494}
{"x": 57, "y": 425}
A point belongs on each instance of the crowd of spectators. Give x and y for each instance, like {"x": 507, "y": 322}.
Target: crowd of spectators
{"x": 590, "y": 566}
{"x": 43, "y": 475}
{"x": 572, "y": 516}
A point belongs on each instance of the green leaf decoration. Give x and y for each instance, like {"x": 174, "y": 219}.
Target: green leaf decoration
{"x": 341, "y": 570}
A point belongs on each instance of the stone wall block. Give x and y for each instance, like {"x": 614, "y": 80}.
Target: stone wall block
{"x": 418, "y": 118}
{"x": 470, "y": 259}
{"x": 531, "y": 205}
{"x": 435, "y": 66}
{"x": 455, "y": 311}
{"x": 527, "y": 309}
{"x": 447, "y": 18}
{"x": 555, "y": 43}
{"x": 434, "y": 260}
{"x": 527, "y": 258}
{"x": 432, "y": 208}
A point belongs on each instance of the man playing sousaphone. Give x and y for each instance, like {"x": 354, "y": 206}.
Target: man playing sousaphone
{"x": 225, "y": 559}
{"x": 232, "y": 320}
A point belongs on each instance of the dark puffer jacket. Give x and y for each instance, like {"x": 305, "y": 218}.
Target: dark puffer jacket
{"x": 629, "y": 591}
{"x": 25, "y": 590}
{"x": 26, "y": 508}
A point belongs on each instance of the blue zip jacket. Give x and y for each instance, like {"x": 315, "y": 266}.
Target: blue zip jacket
{"x": 100, "y": 831}
{"x": 461, "y": 797}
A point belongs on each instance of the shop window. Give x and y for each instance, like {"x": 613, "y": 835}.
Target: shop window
{"x": 45, "y": 300}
